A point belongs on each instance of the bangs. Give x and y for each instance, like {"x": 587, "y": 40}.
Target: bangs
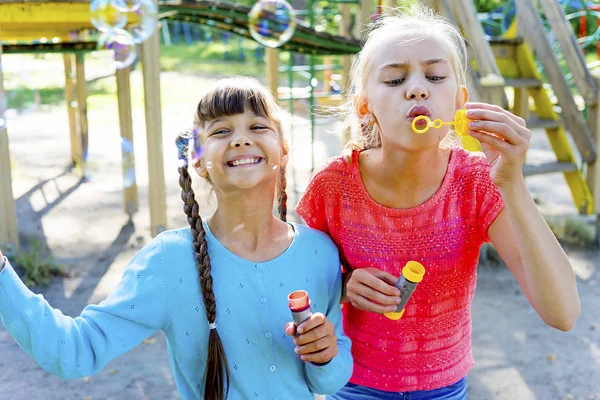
{"x": 231, "y": 100}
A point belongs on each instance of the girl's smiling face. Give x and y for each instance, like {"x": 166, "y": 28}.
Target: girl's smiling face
{"x": 409, "y": 78}
{"x": 241, "y": 151}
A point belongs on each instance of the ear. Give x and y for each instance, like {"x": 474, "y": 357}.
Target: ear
{"x": 200, "y": 169}
{"x": 462, "y": 97}
{"x": 361, "y": 106}
{"x": 284, "y": 160}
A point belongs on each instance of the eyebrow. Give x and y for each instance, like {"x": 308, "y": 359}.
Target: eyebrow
{"x": 405, "y": 65}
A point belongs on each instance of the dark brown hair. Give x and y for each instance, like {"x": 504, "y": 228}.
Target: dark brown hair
{"x": 229, "y": 97}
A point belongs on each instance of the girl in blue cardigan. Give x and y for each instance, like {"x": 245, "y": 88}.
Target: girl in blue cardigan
{"x": 218, "y": 289}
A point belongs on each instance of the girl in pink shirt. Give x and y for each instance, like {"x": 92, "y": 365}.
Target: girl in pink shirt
{"x": 401, "y": 196}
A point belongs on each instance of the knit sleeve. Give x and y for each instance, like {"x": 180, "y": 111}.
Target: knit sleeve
{"x": 312, "y": 206}
{"x": 489, "y": 200}
{"x": 75, "y": 347}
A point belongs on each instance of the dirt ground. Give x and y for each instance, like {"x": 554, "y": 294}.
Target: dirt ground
{"x": 85, "y": 228}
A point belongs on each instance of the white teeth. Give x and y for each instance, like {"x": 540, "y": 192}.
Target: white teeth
{"x": 245, "y": 161}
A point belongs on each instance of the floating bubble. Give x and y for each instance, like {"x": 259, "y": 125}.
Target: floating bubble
{"x": 144, "y": 20}
{"x": 271, "y": 22}
{"x": 105, "y": 14}
{"x": 107, "y": 169}
{"x": 127, "y": 5}
{"x": 123, "y": 45}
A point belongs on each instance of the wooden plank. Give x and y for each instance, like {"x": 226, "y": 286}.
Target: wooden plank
{"x": 81, "y": 89}
{"x": 156, "y": 174}
{"x": 521, "y": 103}
{"x": 9, "y": 236}
{"x": 76, "y": 148}
{"x": 535, "y": 122}
{"x": 272, "y": 64}
{"x": 523, "y": 82}
{"x": 531, "y": 24}
{"x": 573, "y": 56}
{"x": 130, "y": 195}
{"x": 491, "y": 84}
{"x": 593, "y": 169}
{"x": 548, "y": 168}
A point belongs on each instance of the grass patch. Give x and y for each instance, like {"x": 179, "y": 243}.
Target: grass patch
{"x": 38, "y": 267}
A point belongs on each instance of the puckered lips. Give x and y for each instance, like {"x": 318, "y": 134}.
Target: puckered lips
{"x": 417, "y": 111}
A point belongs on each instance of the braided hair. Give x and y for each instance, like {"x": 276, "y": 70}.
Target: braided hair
{"x": 230, "y": 97}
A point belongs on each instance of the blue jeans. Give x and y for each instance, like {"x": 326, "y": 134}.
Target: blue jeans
{"x": 457, "y": 391}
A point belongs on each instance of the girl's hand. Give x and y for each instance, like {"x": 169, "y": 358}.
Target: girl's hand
{"x": 316, "y": 341}
{"x": 371, "y": 289}
{"x": 504, "y": 140}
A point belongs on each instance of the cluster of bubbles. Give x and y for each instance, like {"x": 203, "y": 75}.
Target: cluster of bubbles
{"x": 112, "y": 17}
{"x": 272, "y": 22}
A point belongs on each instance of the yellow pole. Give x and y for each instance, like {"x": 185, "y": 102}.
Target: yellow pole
{"x": 9, "y": 237}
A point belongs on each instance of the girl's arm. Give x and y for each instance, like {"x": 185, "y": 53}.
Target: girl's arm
{"x": 536, "y": 259}
{"x": 520, "y": 233}
{"x": 75, "y": 347}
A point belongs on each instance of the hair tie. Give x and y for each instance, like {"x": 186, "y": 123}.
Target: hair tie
{"x": 212, "y": 325}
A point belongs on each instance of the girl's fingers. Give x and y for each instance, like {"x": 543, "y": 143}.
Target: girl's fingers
{"x": 372, "y": 280}
{"x": 313, "y": 346}
{"x": 492, "y": 140}
{"x": 489, "y": 112}
{"x": 363, "y": 303}
{"x": 501, "y": 129}
{"x": 322, "y": 356}
{"x": 373, "y": 295}
{"x": 474, "y": 105}
{"x": 316, "y": 320}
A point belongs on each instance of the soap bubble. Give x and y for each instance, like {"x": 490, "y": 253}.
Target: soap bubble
{"x": 144, "y": 20}
{"x": 271, "y": 22}
{"x": 127, "y": 5}
{"x": 108, "y": 169}
{"x": 123, "y": 45}
{"x": 106, "y": 14}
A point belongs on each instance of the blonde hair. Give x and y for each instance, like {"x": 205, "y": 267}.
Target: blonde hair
{"x": 410, "y": 25}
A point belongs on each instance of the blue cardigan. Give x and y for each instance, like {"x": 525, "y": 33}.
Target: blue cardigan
{"x": 160, "y": 290}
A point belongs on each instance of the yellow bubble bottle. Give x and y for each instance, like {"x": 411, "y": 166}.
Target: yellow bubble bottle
{"x": 412, "y": 274}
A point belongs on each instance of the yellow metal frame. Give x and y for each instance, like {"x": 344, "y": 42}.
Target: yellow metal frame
{"x": 523, "y": 65}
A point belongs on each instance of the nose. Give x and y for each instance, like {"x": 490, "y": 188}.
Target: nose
{"x": 240, "y": 141}
{"x": 417, "y": 91}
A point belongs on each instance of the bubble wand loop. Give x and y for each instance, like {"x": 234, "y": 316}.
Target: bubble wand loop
{"x": 460, "y": 122}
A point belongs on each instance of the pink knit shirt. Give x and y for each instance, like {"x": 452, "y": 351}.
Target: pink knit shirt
{"x": 430, "y": 346}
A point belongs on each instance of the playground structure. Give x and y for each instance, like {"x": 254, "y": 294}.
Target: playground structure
{"x": 499, "y": 62}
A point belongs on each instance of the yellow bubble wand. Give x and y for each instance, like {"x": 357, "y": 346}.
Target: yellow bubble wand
{"x": 461, "y": 127}
{"x": 460, "y": 122}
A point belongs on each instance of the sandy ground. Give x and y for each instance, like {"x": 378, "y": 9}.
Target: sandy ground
{"x": 83, "y": 223}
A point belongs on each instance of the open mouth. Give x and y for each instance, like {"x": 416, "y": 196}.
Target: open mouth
{"x": 244, "y": 161}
